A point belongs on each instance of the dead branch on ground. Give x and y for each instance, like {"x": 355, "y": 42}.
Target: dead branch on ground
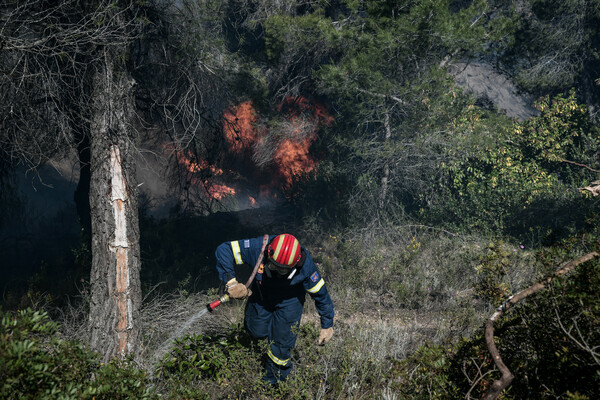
{"x": 500, "y": 384}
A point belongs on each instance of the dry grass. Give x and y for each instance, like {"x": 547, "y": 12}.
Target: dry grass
{"x": 391, "y": 296}
{"x": 172, "y": 316}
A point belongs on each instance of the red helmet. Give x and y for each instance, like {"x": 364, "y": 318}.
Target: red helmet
{"x": 284, "y": 251}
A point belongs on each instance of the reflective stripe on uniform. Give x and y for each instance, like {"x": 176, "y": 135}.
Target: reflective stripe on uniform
{"x": 276, "y": 360}
{"x": 235, "y": 247}
{"x": 317, "y": 287}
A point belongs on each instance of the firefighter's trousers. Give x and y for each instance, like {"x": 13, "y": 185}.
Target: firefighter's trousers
{"x": 278, "y": 322}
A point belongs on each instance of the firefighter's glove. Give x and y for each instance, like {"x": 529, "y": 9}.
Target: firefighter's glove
{"x": 325, "y": 336}
{"x": 236, "y": 290}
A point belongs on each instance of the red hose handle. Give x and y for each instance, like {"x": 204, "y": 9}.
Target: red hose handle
{"x": 217, "y": 303}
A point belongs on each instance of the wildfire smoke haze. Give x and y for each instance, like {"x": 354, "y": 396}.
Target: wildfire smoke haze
{"x": 261, "y": 158}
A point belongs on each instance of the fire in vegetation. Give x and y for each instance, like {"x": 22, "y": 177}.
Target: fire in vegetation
{"x": 262, "y": 157}
{"x": 218, "y": 191}
{"x": 194, "y": 165}
{"x": 203, "y": 176}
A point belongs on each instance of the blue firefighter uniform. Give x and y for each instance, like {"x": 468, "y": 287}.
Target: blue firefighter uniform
{"x": 275, "y": 307}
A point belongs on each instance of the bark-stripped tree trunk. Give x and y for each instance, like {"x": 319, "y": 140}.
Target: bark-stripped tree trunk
{"x": 65, "y": 86}
{"x": 115, "y": 275}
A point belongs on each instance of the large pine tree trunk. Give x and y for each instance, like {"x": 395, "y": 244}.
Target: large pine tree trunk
{"x": 115, "y": 276}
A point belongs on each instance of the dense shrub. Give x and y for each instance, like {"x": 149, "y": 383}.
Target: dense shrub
{"x": 211, "y": 366}
{"x": 522, "y": 178}
{"x": 549, "y": 343}
{"x": 425, "y": 375}
{"x": 230, "y": 365}
{"x": 35, "y": 363}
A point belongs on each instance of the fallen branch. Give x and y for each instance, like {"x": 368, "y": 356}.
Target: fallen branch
{"x": 593, "y": 188}
{"x": 500, "y": 384}
{"x": 578, "y": 164}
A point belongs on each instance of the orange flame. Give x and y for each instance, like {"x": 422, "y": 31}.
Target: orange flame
{"x": 289, "y": 152}
{"x": 219, "y": 191}
{"x": 253, "y": 202}
{"x": 304, "y": 117}
{"x": 291, "y": 155}
{"x": 240, "y": 126}
{"x": 196, "y": 166}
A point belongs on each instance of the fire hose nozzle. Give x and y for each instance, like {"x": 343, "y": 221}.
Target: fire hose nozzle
{"x": 217, "y": 303}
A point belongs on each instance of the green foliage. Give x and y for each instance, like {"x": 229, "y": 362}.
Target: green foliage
{"x": 303, "y": 32}
{"x": 547, "y": 342}
{"x": 296, "y": 46}
{"x": 554, "y": 45}
{"x": 230, "y": 365}
{"x": 394, "y": 101}
{"x": 524, "y": 175}
{"x": 119, "y": 379}
{"x": 344, "y": 368}
{"x": 490, "y": 273}
{"x": 561, "y": 133}
{"x": 198, "y": 366}
{"x": 549, "y": 338}
{"x": 426, "y": 374}
{"x": 35, "y": 363}
{"x": 202, "y": 356}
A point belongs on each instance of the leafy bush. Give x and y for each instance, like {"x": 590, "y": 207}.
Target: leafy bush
{"x": 490, "y": 284}
{"x": 211, "y": 365}
{"x": 230, "y": 365}
{"x": 549, "y": 342}
{"x": 345, "y": 368}
{"x": 35, "y": 363}
{"x": 425, "y": 375}
{"x": 521, "y": 177}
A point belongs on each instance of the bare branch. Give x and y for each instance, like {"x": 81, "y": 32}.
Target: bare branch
{"x": 500, "y": 384}
{"x": 578, "y": 164}
{"x": 581, "y": 342}
{"x": 480, "y": 375}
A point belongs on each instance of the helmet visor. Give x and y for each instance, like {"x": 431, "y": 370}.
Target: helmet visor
{"x": 279, "y": 268}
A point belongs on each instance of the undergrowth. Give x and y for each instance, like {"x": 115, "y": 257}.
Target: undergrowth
{"x": 409, "y": 325}
{"x": 37, "y": 363}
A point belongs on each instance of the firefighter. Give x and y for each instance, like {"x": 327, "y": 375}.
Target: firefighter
{"x": 276, "y": 295}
